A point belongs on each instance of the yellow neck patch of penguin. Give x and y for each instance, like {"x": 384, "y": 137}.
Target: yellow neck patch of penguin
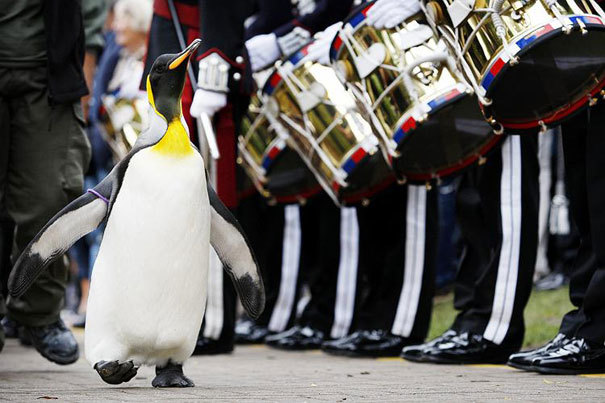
{"x": 175, "y": 142}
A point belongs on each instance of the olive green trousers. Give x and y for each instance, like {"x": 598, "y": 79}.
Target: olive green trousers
{"x": 44, "y": 153}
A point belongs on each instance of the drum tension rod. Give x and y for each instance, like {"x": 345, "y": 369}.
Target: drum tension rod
{"x": 543, "y": 127}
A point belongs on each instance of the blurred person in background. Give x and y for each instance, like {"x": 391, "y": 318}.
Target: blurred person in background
{"x": 46, "y": 62}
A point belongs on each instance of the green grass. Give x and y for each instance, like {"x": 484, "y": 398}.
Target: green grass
{"x": 542, "y": 315}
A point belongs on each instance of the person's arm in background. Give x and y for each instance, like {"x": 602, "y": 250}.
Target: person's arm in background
{"x": 289, "y": 37}
{"x": 94, "y": 13}
{"x": 223, "y": 61}
{"x": 269, "y": 15}
{"x": 325, "y": 13}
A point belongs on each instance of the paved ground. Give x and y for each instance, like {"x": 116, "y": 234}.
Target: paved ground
{"x": 258, "y": 373}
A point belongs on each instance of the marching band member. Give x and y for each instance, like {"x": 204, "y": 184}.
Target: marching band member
{"x": 312, "y": 247}
{"x": 390, "y": 284}
{"x": 497, "y": 208}
{"x": 579, "y": 346}
{"x": 274, "y": 230}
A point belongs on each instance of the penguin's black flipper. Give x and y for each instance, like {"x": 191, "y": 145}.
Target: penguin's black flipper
{"x": 232, "y": 247}
{"x": 77, "y": 219}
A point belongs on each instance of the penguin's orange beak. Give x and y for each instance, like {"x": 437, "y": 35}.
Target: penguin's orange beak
{"x": 184, "y": 55}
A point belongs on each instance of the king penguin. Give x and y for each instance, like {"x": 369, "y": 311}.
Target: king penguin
{"x": 148, "y": 287}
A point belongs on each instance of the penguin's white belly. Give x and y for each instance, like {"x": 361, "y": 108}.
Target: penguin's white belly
{"x": 148, "y": 289}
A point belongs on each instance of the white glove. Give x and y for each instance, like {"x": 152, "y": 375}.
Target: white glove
{"x": 208, "y": 102}
{"x": 262, "y": 50}
{"x": 389, "y": 13}
{"x": 319, "y": 51}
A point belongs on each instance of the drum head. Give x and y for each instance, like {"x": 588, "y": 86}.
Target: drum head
{"x": 554, "y": 72}
{"x": 452, "y": 138}
{"x": 289, "y": 179}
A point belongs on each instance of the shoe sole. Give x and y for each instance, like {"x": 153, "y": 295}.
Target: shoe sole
{"x": 562, "y": 371}
{"x": 57, "y": 360}
{"x": 293, "y": 348}
{"x": 249, "y": 342}
{"x": 528, "y": 367}
{"x": 354, "y": 354}
{"x": 60, "y": 360}
{"x": 415, "y": 358}
{"x": 448, "y": 361}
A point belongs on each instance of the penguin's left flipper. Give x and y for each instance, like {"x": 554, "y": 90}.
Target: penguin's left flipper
{"x": 232, "y": 247}
{"x": 77, "y": 219}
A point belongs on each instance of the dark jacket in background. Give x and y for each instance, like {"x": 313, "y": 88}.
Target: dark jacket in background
{"x": 65, "y": 46}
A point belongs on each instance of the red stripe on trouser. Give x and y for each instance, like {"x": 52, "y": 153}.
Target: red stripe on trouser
{"x": 225, "y": 166}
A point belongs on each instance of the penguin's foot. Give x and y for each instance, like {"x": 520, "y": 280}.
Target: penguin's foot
{"x": 171, "y": 376}
{"x": 115, "y": 372}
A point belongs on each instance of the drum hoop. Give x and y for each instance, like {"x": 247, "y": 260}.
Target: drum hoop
{"x": 275, "y": 79}
{"x": 358, "y": 197}
{"x": 354, "y": 21}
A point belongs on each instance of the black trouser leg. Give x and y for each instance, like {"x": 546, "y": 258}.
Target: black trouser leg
{"x": 398, "y": 237}
{"x": 574, "y": 146}
{"x": 320, "y": 258}
{"x": 498, "y": 215}
{"x": 593, "y": 327}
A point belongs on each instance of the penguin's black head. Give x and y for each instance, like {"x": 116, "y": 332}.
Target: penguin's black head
{"x": 166, "y": 80}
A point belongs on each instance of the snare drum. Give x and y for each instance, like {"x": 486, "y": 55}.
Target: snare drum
{"x": 532, "y": 62}
{"x": 277, "y": 171}
{"x": 327, "y": 129}
{"x": 423, "y": 110}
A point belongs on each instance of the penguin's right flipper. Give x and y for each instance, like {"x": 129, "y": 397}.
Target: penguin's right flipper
{"x": 230, "y": 244}
{"x": 77, "y": 219}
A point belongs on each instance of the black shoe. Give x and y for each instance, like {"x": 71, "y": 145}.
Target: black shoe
{"x": 297, "y": 338}
{"x": 575, "y": 357}
{"x": 2, "y": 338}
{"x": 468, "y": 348}
{"x": 366, "y": 343}
{"x": 248, "y": 332}
{"x": 55, "y": 342}
{"x": 11, "y": 328}
{"x": 206, "y": 346}
{"x": 524, "y": 359}
{"x": 416, "y": 352}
